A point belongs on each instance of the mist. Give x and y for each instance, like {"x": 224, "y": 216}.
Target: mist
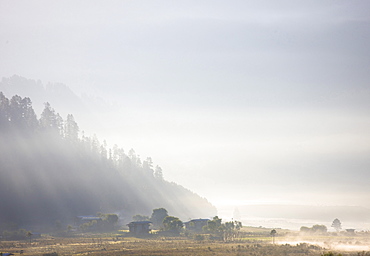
{"x": 242, "y": 103}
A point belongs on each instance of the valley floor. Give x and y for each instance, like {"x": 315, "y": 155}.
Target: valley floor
{"x": 113, "y": 244}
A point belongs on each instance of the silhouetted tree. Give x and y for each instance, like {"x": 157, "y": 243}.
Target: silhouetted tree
{"x": 16, "y": 111}
{"x": 139, "y": 217}
{"x": 158, "y": 173}
{"x": 231, "y": 230}
{"x": 337, "y": 225}
{"x": 273, "y": 234}
{"x": 104, "y": 151}
{"x": 4, "y": 112}
{"x": 21, "y": 114}
{"x": 111, "y": 219}
{"x": 173, "y": 224}
{"x": 226, "y": 231}
{"x": 158, "y": 216}
{"x": 71, "y": 129}
{"x": 29, "y": 114}
{"x": 29, "y": 235}
{"x": 132, "y": 155}
{"x": 51, "y": 121}
{"x": 95, "y": 145}
{"x": 214, "y": 226}
{"x": 147, "y": 166}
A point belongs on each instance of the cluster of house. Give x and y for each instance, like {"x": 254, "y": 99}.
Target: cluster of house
{"x": 143, "y": 227}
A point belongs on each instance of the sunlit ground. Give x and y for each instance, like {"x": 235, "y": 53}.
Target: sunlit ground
{"x": 252, "y": 241}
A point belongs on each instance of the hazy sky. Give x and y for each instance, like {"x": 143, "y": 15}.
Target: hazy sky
{"x": 240, "y": 101}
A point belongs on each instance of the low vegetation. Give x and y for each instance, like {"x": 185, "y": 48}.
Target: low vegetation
{"x": 118, "y": 243}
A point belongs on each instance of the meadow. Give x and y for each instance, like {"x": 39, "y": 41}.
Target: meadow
{"x": 256, "y": 242}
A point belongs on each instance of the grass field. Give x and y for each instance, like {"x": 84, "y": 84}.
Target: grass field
{"x": 253, "y": 242}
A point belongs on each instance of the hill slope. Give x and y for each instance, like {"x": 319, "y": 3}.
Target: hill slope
{"x": 48, "y": 172}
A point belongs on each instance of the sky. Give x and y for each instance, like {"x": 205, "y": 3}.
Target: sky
{"x": 240, "y": 101}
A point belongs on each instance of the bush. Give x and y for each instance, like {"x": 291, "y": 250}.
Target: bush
{"x": 315, "y": 229}
{"x": 19, "y": 234}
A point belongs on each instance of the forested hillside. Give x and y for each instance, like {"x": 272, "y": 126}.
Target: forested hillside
{"x": 49, "y": 172}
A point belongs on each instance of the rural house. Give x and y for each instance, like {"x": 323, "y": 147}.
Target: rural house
{"x": 196, "y": 224}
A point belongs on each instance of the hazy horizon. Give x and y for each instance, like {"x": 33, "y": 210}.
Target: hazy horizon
{"x": 241, "y": 102}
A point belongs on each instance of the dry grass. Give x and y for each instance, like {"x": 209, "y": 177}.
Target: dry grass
{"x": 112, "y": 245}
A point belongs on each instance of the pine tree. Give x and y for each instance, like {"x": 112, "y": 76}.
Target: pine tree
{"x": 337, "y": 225}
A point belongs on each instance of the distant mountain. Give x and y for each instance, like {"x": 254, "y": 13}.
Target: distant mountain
{"x": 48, "y": 172}
{"x": 85, "y": 108}
{"x": 55, "y": 93}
